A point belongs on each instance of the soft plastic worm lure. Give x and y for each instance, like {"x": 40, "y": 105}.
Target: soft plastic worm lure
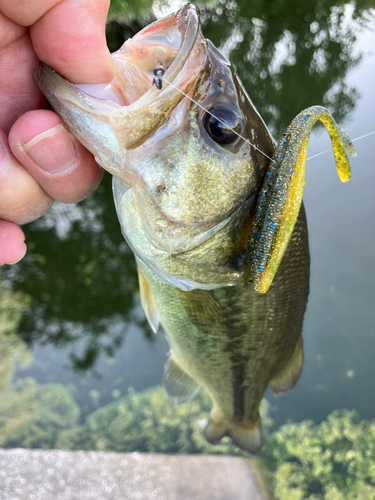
{"x": 280, "y": 198}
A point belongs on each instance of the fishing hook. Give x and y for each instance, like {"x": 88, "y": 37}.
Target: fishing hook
{"x": 158, "y": 72}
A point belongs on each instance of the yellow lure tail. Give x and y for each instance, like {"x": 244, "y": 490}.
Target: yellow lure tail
{"x": 280, "y": 198}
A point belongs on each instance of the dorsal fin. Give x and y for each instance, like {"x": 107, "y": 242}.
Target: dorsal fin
{"x": 147, "y": 301}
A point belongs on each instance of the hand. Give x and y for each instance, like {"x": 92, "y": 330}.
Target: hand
{"x": 39, "y": 160}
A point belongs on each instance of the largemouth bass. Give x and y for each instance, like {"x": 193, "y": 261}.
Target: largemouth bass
{"x": 212, "y": 209}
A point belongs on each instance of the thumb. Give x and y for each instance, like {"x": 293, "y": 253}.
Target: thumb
{"x": 70, "y": 37}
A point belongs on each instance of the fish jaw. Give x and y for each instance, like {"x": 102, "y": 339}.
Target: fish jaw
{"x": 182, "y": 199}
{"x": 87, "y": 119}
{"x": 108, "y": 119}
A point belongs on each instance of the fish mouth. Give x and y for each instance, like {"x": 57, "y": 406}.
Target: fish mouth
{"x": 131, "y": 104}
{"x": 175, "y": 43}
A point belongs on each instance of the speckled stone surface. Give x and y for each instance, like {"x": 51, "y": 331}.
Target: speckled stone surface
{"x": 62, "y": 475}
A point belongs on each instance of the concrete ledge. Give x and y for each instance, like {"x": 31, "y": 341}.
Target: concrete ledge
{"x": 64, "y": 475}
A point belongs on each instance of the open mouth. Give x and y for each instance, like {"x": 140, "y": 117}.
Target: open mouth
{"x": 131, "y": 104}
{"x": 167, "y": 43}
{"x": 173, "y": 43}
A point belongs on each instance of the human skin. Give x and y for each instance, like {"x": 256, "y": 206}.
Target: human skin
{"x": 39, "y": 160}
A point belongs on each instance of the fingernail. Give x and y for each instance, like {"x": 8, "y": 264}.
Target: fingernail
{"x": 3, "y": 155}
{"x": 53, "y": 150}
{"x": 20, "y": 258}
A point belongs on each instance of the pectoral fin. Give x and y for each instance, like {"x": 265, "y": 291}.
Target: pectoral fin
{"x": 203, "y": 310}
{"x": 179, "y": 385}
{"x": 280, "y": 198}
{"x": 288, "y": 376}
{"x": 148, "y": 302}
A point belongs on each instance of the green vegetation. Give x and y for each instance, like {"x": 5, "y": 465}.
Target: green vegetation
{"x": 127, "y": 10}
{"x": 31, "y": 415}
{"x": 15, "y": 404}
{"x": 334, "y": 460}
{"x": 141, "y": 10}
{"x": 147, "y": 422}
{"x": 53, "y": 410}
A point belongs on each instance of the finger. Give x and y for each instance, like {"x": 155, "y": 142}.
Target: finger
{"x": 60, "y": 164}
{"x": 12, "y": 246}
{"x": 18, "y": 93}
{"x": 71, "y": 38}
{"x": 21, "y": 197}
{"x": 69, "y": 35}
{"x": 10, "y": 31}
{"x": 26, "y": 12}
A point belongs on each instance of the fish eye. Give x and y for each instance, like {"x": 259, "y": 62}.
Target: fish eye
{"x": 222, "y": 124}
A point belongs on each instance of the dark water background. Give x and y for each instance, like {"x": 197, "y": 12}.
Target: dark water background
{"x": 85, "y": 326}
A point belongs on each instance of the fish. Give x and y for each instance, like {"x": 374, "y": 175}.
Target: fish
{"x": 212, "y": 208}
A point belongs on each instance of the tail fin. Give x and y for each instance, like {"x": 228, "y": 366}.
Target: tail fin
{"x": 245, "y": 436}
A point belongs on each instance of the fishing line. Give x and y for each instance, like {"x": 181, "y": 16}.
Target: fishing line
{"x": 328, "y": 150}
{"x": 216, "y": 118}
{"x": 161, "y": 77}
